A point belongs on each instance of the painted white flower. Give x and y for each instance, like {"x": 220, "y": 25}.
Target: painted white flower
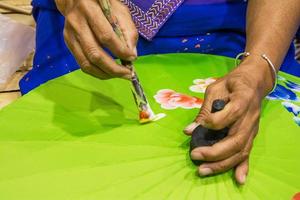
{"x": 200, "y": 85}
{"x": 291, "y": 107}
{"x": 280, "y": 78}
{"x": 297, "y": 120}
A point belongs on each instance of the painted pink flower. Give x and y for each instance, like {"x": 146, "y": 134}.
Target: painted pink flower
{"x": 200, "y": 85}
{"x": 296, "y": 196}
{"x": 169, "y": 99}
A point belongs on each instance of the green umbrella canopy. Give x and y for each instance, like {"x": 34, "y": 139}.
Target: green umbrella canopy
{"x": 77, "y": 137}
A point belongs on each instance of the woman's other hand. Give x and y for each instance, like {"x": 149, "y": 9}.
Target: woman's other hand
{"x": 87, "y": 32}
{"x": 244, "y": 89}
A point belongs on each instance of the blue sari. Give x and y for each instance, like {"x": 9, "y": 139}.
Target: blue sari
{"x": 191, "y": 26}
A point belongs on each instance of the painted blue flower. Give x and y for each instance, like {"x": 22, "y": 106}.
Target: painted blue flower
{"x": 297, "y": 120}
{"x": 283, "y": 93}
{"x": 280, "y": 78}
{"x": 293, "y": 86}
{"x": 291, "y": 107}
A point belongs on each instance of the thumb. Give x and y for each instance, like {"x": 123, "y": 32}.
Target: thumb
{"x": 201, "y": 117}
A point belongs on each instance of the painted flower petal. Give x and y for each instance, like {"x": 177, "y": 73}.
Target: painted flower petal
{"x": 198, "y": 88}
{"x": 168, "y": 106}
{"x": 169, "y": 99}
{"x": 200, "y": 85}
{"x": 282, "y": 93}
{"x": 188, "y": 105}
{"x": 199, "y": 102}
{"x": 210, "y": 80}
{"x": 183, "y": 101}
{"x": 199, "y": 81}
{"x": 293, "y": 108}
{"x": 297, "y": 120}
{"x": 293, "y": 86}
{"x": 164, "y": 93}
{"x": 280, "y": 78}
{"x": 163, "y": 96}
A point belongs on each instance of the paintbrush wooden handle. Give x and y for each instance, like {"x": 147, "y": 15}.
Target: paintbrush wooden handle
{"x": 106, "y": 8}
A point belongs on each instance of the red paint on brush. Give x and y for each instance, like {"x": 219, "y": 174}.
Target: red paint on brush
{"x": 144, "y": 115}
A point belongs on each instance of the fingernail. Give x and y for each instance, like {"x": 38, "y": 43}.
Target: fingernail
{"x": 127, "y": 77}
{"x": 131, "y": 58}
{"x": 190, "y": 128}
{"x": 243, "y": 179}
{"x": 195, "y": 155}
{"x": 135, "y": 52}
{"x": 205, "y": 171}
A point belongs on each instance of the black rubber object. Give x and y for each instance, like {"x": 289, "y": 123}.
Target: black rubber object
{"x": 218, "y": 105}
{"x": 202, "y": 136}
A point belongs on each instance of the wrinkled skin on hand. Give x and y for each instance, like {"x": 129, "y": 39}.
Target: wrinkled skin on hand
{"x": 244, "y": 89}
{"x": 87, "y": 33}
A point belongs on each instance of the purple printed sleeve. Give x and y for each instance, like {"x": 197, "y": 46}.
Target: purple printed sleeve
{"x": 150, "y": 15}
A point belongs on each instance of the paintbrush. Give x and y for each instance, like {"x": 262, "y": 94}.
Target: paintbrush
{"x": 145, "y": 112}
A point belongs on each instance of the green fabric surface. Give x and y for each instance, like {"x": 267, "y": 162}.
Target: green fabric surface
{"x": 78, "y": 138}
